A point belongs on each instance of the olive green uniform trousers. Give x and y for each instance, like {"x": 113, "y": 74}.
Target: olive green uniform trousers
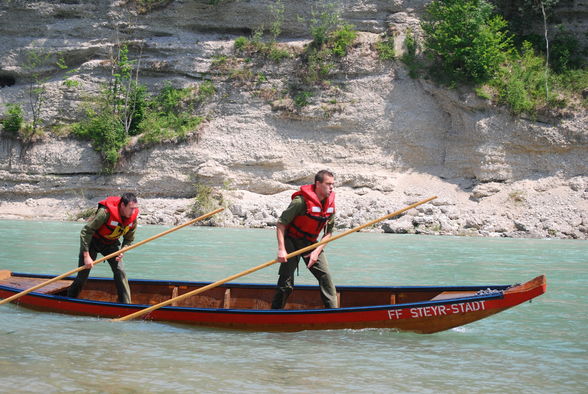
{"x": 117, "y": 267}
{"x": 320, "y": 270}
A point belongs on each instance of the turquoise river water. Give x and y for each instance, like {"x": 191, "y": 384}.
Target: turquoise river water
{"x": 538, "y": 347}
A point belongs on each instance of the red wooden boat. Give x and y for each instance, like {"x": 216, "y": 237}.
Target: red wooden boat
{"x": 422, "y": 309}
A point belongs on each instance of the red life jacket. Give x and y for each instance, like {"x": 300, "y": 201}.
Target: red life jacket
{"x": 310, "y": 225}
{"x": 115, "y": 227}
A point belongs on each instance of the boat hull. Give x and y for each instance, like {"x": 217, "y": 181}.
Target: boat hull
{"x": 449, "y": 307}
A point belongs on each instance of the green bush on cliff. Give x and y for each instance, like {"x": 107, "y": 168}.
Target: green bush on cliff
{"x": 341, "y": 39}
{"x": 166, "y": 127}
{"x": 410, "y": 58}
{"x": 331, "y": 39}
{"x": 13, "y": 120}
{"x": 106, "y": 133}
{"x": 385, "y": 49}
{"x": 256, "y": 46}
{"x": 521, "y": 82}
{"x": 321, "y": 56}
{"x": 472, "y": 46}
{"x": 574, "y": 81}
{"x": 14, "y": 124}
{"x": 325, "y": 18}
{"x": 205, "y": 91}
{"x": 167, "y": 116}
{"x": 206, "y": 199}
{"x": 125, "y": 109}
{"x": 465, "y": 40}
{"x": 115, "y": 119}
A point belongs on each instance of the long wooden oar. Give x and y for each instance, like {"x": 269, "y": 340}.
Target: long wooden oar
{"x": 246, "y": 272}
{"x": 123, "y": 250}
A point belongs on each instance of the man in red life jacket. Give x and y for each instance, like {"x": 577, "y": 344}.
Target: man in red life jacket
{"x": 311, "y": 211}
{"x": 115, "y": 217}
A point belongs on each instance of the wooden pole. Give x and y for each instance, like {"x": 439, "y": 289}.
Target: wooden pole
{"x": 123, "y": 250}
{"x": 246, "y": 272}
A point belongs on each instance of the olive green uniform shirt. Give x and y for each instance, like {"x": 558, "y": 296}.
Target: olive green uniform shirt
{"x": 92, "y": 226}
{"x": 297, "y": 207}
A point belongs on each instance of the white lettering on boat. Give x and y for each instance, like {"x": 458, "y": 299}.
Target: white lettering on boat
{"x": 436, "y": 310}
{"x": 394, "y": 314}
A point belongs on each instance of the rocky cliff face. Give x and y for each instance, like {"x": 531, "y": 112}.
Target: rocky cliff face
{"x": 391, "y": 140}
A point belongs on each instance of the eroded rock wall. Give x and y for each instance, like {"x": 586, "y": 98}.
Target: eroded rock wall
{"x": 390, "y": 139}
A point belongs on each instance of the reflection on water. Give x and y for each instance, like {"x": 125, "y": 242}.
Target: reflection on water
{"x": 535, "y": 347}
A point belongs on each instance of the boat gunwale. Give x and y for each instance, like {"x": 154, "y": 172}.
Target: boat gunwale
{"x": 422, "y": 288}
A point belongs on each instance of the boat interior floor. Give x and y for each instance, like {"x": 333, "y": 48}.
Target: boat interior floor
{"x": 26, "y": 283}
